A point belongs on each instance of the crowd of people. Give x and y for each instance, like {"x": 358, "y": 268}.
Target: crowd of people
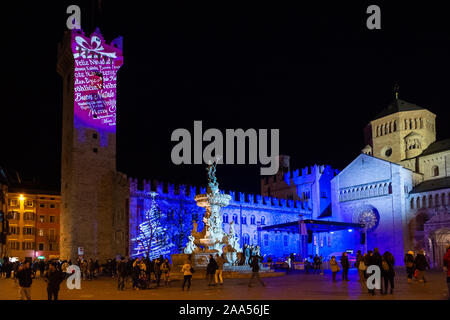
{"x": 415, "y": 264}
{"x": 25, "y": 272}
{"x": 144, "y": 273}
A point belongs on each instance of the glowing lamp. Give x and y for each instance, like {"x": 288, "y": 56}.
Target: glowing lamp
{"x": 21, "y": 197}
{"x": 350, "y": 230}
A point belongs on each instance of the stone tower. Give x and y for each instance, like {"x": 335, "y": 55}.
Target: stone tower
{"x": 93, "y": 193}
{"x": 400, "y": 132}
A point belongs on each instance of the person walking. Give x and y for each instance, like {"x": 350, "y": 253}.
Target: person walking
{"x": 247, "y": 254}
{"x": 53, "y": 277}
{"x": 289, "y": 263}
{"x": 165, "y": 268}
{"x": 409, "y": 264}
{"x": 316, "y": 264}
{"x": 122, "y": 274}
{"x": 211, "y": 270}
{"x": 158, "y": 272}
{"x": 421, "y": 264}
{"x": 25, "y": 277}
{"x": 219, "y": 272}
{"x": 388, "y": 272}
{"x": 187, "y": 274}
{"x": 254, "y": 263}
{"x": 345, "y": 266}
{"x": 447, "y": 268}
{"x": 334, "y": 267}
{"x": 135, "y": 274}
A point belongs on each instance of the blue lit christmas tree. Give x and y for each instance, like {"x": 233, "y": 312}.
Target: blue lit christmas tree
{"x": 151, "y": 235}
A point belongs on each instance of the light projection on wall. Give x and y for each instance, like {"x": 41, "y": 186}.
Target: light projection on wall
{"x": 95, "y": 76}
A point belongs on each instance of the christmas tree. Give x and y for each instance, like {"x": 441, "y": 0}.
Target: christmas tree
{"x": 151, "y": 235}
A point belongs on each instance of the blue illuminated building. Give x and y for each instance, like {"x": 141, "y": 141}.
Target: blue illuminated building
{"x": 394, "y": 196}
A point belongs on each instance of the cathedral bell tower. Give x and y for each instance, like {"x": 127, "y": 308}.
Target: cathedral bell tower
{"x": 88, "y": 66}
{"x": 400, "y": 132}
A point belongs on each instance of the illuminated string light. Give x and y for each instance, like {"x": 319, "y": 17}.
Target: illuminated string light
{"x": 151, "y": 239}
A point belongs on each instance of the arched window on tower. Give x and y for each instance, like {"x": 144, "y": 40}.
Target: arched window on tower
{"x": 235, "y": 218}
{"x": 435, "y": 171}
{"x": 424, "y": 202}
{"x": 418, "y": 202}
{"x": 412, "y": 203}
{"x": 263, "y": 220}
{"x": 252, "y": 219}
{"x": 395, "y": 125}
{"x": 225, "y": 218}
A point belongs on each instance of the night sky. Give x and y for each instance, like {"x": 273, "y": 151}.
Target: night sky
{"x": 314, "y": 72}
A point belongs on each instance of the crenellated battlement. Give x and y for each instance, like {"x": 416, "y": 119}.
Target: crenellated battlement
{"x": 311, "y": 172}
{"x": 187, "y": 192}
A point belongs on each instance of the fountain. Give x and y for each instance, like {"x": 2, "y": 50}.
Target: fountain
{"x": 212, "y": 239}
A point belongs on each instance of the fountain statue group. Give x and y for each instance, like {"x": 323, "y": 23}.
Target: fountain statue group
{"x": 213, "y": 239}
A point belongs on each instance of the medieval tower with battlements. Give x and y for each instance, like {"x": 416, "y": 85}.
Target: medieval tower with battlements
{"x": 94, "y": 213}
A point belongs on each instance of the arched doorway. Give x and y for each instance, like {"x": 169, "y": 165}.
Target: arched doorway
{"x": 439, "y": 239}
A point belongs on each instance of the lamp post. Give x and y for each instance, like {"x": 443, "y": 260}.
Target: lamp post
{"x": 365, "y": 238}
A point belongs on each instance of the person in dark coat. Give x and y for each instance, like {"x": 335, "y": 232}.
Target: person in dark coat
{"x": 151, "y": 270}
{"x": 369, "y": 261}
{"x": 316, "y": 264}
{"x": 135, "y": 275}
{"x": 345, "y": 266}
{"x": 53, "y": 277}
{"x": 387, "y": 271}
{"x": 41, "y": 268}
{"x": 25, "y": 277}
{"x": 409, "y": 264}
{"x": 254, "y": 263}
{"x": 421, "y": 264}
{"x": 158, "y": 271}
{"x": 211, "y": 270}
{"x": 122, "y": 273}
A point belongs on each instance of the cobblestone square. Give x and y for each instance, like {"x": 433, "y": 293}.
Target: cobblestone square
{"x": 294, "y": 286}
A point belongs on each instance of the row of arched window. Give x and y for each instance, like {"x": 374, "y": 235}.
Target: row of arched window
{"x": 430, "y": 201}
{"x": 386, "y": 128}
{"x": 243, "y": 219}
{"x": 365, "y": 192}
{"x": 408, "y": 124}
